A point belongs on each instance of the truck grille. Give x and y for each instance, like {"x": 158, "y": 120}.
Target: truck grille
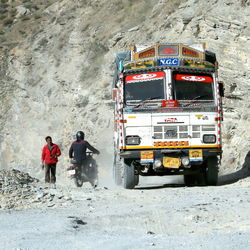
{"x": 180, "y": 132}
{"x": 170, "y": 132}
{"x": 197, "y": 129}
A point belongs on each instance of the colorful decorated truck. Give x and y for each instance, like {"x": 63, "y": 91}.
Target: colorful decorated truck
{"x": 167, "y": 114}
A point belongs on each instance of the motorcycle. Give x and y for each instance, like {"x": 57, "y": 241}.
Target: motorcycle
{"x": 84, "y": 173}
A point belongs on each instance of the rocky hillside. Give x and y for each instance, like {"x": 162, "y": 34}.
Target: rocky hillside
{"x": 56, "y": 68}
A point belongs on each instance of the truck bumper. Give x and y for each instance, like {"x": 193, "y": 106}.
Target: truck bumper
{"x": 159, "y": 153}
{"x": 151, "y": 169}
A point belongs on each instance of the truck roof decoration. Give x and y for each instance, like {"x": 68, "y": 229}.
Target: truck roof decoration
{"x": 158, "y": 50}
{"x": 169, "y": 55}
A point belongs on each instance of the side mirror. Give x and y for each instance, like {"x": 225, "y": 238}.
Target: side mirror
{"x": 221, "y": 88}
{"x": 114, "y": 94}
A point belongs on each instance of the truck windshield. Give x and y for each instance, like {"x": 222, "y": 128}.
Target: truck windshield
{"x": 192, "y": 86}
{"x": 144, "y": 86}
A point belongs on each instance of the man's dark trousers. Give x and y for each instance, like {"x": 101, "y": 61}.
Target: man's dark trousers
{"x": 50, "y": 173}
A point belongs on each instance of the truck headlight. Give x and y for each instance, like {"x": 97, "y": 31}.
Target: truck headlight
{"x": 157, "y": 163}
{"x": 209, "y": 138}
{"x": 185, "y": 161}
{"x": 133, "y": 140}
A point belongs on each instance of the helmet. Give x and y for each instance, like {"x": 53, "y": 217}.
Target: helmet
{"x": 79, "y": 136}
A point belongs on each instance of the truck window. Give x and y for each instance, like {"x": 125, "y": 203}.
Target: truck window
{"x": 193, "y": 86}
{"x": 144, "y": 86}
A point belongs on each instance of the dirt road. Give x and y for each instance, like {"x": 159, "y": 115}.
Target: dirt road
{"x": 153, "y": 216}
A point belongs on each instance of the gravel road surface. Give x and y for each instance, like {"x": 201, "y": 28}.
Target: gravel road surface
{"x": 160, "y": 214}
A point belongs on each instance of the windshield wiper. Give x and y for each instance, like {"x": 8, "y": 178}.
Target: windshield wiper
{"x": 142, "y": 102}
{"x": 195, "y": 99}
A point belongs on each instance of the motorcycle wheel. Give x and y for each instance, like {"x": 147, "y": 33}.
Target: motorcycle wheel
{"x": 92, "y": 172}
{"x": 78, "y": 182}
{"x": 78, "y": 179}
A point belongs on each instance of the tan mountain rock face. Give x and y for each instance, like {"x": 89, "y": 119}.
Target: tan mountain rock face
{"x": 57, "y": 78}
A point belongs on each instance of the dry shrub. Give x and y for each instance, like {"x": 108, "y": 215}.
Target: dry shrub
{"x": 8, "y": 22}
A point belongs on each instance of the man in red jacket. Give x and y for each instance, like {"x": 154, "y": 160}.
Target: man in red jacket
{"x": 50, "y": 155}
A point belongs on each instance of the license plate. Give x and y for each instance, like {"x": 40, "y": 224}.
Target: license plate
{"x": 170, "y": 162}
{"x": 147, "y": 156}
{"x": 71, "y": 172}
{"x": 195, "y": 154}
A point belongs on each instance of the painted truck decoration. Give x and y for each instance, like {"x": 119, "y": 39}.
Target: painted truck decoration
{"x": 167, "y": 114}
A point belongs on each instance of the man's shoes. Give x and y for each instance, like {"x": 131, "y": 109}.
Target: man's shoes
{"x": 53, "y": 185}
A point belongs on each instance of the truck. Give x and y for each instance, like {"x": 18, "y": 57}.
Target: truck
{"x": 167, "y": 114}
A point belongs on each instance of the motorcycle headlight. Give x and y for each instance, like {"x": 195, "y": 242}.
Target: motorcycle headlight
{"x": 209, "y": 138}
{"x": 133, "y": 140}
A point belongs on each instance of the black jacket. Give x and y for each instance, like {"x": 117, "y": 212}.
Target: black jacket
{"x": 78, "y": 150}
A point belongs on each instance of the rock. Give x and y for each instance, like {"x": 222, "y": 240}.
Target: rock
{"x": 136, "y": 28}
{"x": 150, "y": 232}
{"x": 116, "y": 39}
{"x": 40, "y": 195}
{"x": 52, "y": 8}
{"x": 67, "y": 198}
{"x": 15, "y": 177}
{"x": 186, "y": 20}
{"x": 64, "y": 204}
{"x": 22, "y": 11}
{"x": 51, "y": 197}
{"x": 51, "y": 205}
{"x": 17, "y": 190}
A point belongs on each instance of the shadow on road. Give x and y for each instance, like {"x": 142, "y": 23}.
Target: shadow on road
{"x": 161, "y": 186}
{"x": 243, "y": 173}
{"x": 226, "y": 179}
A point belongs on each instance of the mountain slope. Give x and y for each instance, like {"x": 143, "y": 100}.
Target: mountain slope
{"x": 56, "y": 77}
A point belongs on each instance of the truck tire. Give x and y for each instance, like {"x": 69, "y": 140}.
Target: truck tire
{"x": 212, "y": 171}
{"x": 136, "y": 179}
{"x": 189, "y": 180}
{"x": 117, "y": 171}
{"x": 129, "y": 179}
{"x": 201, "y": 179}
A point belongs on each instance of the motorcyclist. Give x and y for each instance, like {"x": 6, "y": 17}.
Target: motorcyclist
{"x": 78, "y": 150}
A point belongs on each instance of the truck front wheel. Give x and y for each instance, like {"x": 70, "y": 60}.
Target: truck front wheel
{"x": 129, "y": 179}
{"x": 212, "y": 171}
